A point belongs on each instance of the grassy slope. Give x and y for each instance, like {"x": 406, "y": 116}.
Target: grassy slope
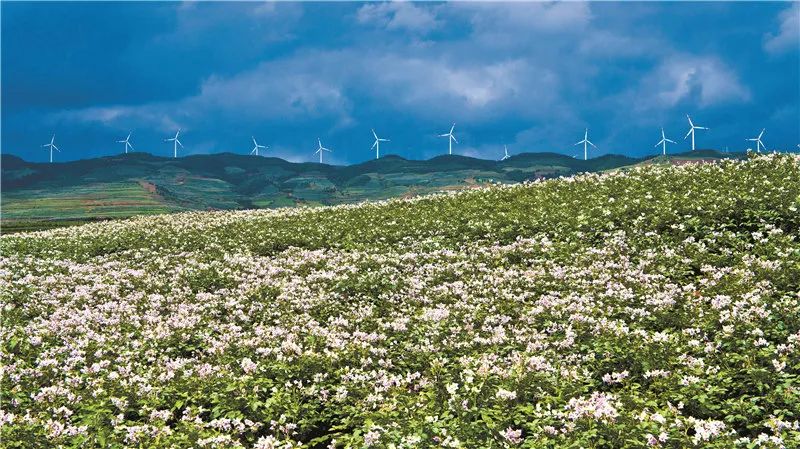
{"x": 140, "y": 184}
{"x": 583, "y": 277}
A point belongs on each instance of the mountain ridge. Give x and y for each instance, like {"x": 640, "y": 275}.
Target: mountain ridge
{"x": 141, "y": 183}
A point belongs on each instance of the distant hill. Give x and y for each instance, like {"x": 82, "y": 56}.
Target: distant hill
{"x": 140, "y": 183}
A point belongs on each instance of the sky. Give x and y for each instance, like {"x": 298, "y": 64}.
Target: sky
{"x": 531, "y": 76}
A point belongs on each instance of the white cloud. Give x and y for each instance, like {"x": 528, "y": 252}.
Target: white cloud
{"x": 258, "y": 24}
{"x": 399, "y": 16}
{"x": 301, "y": 87}
{"x": 788, "y": 36}
{"x": 156, "y": 115}
{"x": 609, "y": 44}
{"x": 320, "y": 84}
{"x": 706, "y": 79}
{"x": 515, "y": 17}
{"x": 415, "y": 80}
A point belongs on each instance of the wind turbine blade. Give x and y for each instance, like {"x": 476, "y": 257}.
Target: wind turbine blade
{"x": 659, "y": 143}
{"x": 670, "y": 141}
{"x": 56, "y": 148}
{"x": 701, "y": 127}
{"x": 762, "y": 133}
{"x": 590, "y": 143}
{"x": 376, "y": 136}
{"x": 179, "y": 142}
{"x": 452, "y": 128}
{"x": 688, "y": 133}
{"x": 129, "y": 144}
{"x": 690, "y": 121}
{"x": 454, "y": 138}
{"x": 443, "y": 135}
{"x": 374, "y": 145}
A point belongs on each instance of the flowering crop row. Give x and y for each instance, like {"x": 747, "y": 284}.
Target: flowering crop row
{"x": 658, "y": 306}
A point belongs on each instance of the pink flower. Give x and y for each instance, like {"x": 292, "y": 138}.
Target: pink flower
{"x": 514, "y": 436}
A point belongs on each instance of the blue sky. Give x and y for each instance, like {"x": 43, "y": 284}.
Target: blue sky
{"x": 529, "y": 75}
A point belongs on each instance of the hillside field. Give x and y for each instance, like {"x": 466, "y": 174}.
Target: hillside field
{"x": 657, "y": 306}
{"x": 37, "y": 196}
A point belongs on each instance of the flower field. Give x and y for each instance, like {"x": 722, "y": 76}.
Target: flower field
{"x": 653, "y": 307}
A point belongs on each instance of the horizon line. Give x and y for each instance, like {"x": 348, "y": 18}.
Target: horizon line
{"x": 129, "y": 154}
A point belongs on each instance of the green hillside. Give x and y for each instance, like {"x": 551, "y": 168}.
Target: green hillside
{"x": 651, "y": 307}
{"x": 38, "y": 195}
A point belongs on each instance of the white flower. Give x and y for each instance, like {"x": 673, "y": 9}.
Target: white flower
{"x": 599, "y": 406}
{"x": 706, "y": 430}
{"x": 372, "y": 437}
{"x": 248, "y": 366}
{"x": 452, "y": 388}
{"x": 267, "y": 442}
{"x": 506, "y": 395}
{"x": 779, "y": 366}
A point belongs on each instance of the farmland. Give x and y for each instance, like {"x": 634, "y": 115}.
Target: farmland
{"x": 657, "y": 306}
{"x": 40, "y": 196}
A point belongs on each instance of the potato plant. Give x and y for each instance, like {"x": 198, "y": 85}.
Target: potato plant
{"x": 658, "y": 306}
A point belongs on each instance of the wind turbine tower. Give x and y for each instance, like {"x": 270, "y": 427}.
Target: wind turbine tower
{"x": 127, "y": 142}
{"x": 586, "y": 142}
{"x": 256, "y": 147}
{"x": 692, "y": 127}
{"x": 175, "y": 143}
{"x": 450, "y": 138}
{"x": 321, "y": 149}
{"x": 663, "y": 143}
{"x": 377, "y": 144}
{"x": 52, "y": 146}
{"x": 759, "y": 143}
{"x": 506, "y": 156}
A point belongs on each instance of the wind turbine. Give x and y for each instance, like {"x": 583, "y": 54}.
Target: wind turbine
{"x": 175, "y": 143}
{"x": 758, "y": 142}
{"x": 450, "y": 138}
{"x": 692, "y": 127}
{"x": 586, "y": 142}
{"x": 663, "y": 143}
{"x": 127, "y": 142}
{"x": 257, "y": 146}
{"x": 377, "y": 144}
{"x": 321, "y": 149}
{"x": 505, "y": 148}
{"x": 52, "y": 146}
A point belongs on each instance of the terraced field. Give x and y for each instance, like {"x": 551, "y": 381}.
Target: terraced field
{"x": 108, "y": 200}
{"x": 40, "y": 196}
